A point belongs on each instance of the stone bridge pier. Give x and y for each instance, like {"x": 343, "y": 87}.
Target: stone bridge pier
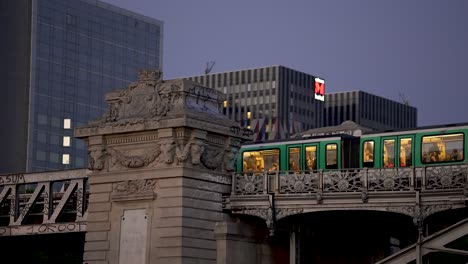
{"x": 161, "y": 159}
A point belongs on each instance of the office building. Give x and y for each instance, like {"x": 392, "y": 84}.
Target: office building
{"x": 368, "y": 110}
{"x": 275, "y": 102}
{"x": 59, "y": 58}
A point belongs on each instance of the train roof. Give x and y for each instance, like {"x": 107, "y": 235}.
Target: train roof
{"x": 296, "y": 140}
{"x": 432, "y": 128}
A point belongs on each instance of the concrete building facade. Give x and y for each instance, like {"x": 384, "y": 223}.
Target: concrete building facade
{"x": 368, "y": 110}
{"x": 59, "y": 57}
{"x": 275, "y": 102}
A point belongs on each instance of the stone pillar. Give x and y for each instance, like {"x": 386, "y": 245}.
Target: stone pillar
{"x": 161, "y": 158}
{"x": 241, "y": 242}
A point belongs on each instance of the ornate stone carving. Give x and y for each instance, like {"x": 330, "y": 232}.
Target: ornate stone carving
{"x": 212, "y": 158}
{"x": 182, "y": 152}
{"x": 96, "y": 159}
{"x": 135, "y": 161}
{"x": 194, "y": 148}
{"x": 134, "y": 190}
{"x": 168, "y": 147}
{"x": 230, "y": 158}
{"x": 152, "y": 98}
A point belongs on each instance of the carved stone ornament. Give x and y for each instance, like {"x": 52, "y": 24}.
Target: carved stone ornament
{"x": 152, "y": 98}
{"x": 212, "y": 158}
{"x": 134, "y": 190}
{"x": 230, "y": 157}
{"x": 134, "y": 161}
{"x": 96, "y": 159}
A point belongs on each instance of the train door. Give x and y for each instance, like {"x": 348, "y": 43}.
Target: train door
{"x": 369, "y": 149}
{"x": 310, "y": 157}
{"x": 294, "y": 158}
{"x": 389, "y": 152}
{"x": 406, "y": 151}
{"x": 330, "y": 158}
{"x": 397, "y": 151}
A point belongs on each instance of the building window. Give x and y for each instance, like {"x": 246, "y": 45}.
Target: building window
{"x": 40, "y": 155}
{"x": 54, "y": 157}
{"x": 66, "y": 123}
{"x": 66, "y": 141}
{"x": 65, "y": 158}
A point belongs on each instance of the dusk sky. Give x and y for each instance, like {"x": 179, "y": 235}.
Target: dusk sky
{"x": 416, "y": 48}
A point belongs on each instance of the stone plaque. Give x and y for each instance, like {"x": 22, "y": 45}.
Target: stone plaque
{"x": 133, "y": 236}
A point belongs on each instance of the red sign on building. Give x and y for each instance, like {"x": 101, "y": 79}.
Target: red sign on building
{"x": 319, "y": 89}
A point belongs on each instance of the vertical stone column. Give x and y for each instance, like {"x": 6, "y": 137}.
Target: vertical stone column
{"x": 161, "y": 159}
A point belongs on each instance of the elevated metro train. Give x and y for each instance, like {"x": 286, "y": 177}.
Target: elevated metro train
{"x": 419, "y": 147}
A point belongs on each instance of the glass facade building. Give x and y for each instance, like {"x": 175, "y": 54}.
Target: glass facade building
{"x": 275, "y": 102}
{"x": 61, "y": 57}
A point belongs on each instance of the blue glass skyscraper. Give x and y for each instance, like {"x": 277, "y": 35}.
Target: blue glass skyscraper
{"x": 58, "y": 59}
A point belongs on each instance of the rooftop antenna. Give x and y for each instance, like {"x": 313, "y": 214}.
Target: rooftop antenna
{"x": 403, "y": 98}
{"x": 209, "y": 66}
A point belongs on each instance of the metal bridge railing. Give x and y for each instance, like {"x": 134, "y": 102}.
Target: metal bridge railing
{"x": 351, "y": 180}
{"x": 43, "y": 198}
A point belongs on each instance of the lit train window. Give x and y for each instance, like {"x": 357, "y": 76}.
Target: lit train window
{"x": 442, "y": 148}
{"x": 261, "y": 160}
{"x": 368, "y": 154}
{"x": 389, "y": 153}
{"x": 294, "y": 159}
{"x": 311, "y": 157}
{"x": 406, "y": 157}
{"x": 331, "y": 160}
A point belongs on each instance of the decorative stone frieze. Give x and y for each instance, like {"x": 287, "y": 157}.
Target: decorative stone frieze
{"x": 134, "y": 190}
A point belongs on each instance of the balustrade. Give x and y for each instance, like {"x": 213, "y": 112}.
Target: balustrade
{"x": 351, "y": 180}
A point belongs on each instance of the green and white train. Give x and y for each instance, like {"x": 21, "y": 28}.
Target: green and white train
{"x": 424, "y": 146}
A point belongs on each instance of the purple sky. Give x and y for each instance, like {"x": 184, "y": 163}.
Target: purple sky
{"x": 418, "y": 48}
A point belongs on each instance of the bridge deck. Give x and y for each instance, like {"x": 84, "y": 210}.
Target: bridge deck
{"x": 417, "y": 192}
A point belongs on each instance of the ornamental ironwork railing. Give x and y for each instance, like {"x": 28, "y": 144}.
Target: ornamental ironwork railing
{"x": 351, "y": 180}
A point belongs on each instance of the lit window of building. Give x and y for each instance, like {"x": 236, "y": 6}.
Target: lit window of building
{"x": 67, "y": 123}
{"x": 66, "y": 159}
{"x": 66, "y": 141}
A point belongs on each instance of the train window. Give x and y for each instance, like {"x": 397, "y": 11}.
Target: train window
{"x": 261, "y": 160}
{"x": 368, "y": 158}
{"x": 442, "y": 148}
{"x": 294, "y": 159}
{"x": 332, "y": 157}
{"x": 311, "y": 157}
{"x": 389, "y": 153}
{"x": 406, "y": 157}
